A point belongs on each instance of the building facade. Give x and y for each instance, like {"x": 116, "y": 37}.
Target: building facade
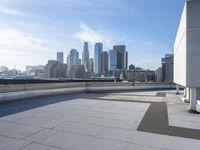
{"x": 55, "y": 69}
{"x": 74, "y": 58}
{"x": 121, "y": 56}
{"x": 159, "y": 75}
{"x": 167, "y": 68}
{"x": 187, "y": 52}
{"x": 140, "y": 76}
{"x": 112, "y": 60}
{"x": 104, "y": 63}
{"x": 60, "y": 57}
{"x": 91, "y": 65}
{"x": 85, "y": 57}
{"x": 97, "y": 57}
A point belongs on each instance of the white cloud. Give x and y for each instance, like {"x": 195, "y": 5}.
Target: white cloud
{"x": 11, "y": 11}
{"x": 20, "y": 49}
{"x": 10, "y": 37}
{"x": 88, "y": 34}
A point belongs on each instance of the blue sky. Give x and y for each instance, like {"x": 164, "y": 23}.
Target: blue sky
{"x": 31, "y": 32}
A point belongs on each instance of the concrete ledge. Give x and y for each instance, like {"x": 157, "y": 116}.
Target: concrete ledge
{"x": 10, "y": 96}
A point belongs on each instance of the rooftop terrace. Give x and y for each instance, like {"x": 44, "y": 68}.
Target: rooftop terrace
{"x": 106, "y": 121}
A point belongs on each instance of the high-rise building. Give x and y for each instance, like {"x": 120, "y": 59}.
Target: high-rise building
{"x": 91, "y": 65}
{"x": 159, "y": 75}
{"x": 55, "y": 69}
{"x": 104, "y": 63}
{"x": 121, "y": 56}
{"x": 97, "y": 57}
{"x": 77, "y": 71}
{"x": 126, "y": 61}
{"x": 112, "y": 60}
{"x": 167, "y": 68}
{"x": 74, "y": 57}
{"x": 85, "y": 56}
{"x": 60, "y": 57}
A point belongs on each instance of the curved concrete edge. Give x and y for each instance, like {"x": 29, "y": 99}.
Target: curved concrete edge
{"x": 11, "y": 96}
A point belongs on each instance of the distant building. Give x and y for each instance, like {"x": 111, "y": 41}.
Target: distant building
{"x": 131, "y": 67}
{"x": 35, "y": 71}
{"x": 13, "y": 73}
{"x": 97, "y": 57}
{"x": 112, "y": 60}
{"x": 167, "y": 68}
{"x": 85, "y": 56}
{"x": 79, "y": 61}
{"x": 91, "y": 65}
{"x": 104, "y": 63}
{"x": 159, "y": 75}
{"x": 55, "y": 69}
{"x": 77, "y": 71}
{"x": 140, "y": 76}
{"x": 60, "y": 57}
{"x": 122, "y": 56}
{"x": 73, "y": 58}
{"x": 3, "y": 68}
{"x": 126, "y": 61}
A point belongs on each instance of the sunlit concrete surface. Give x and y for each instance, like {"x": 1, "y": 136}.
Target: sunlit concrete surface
{"x": 91, "y": 122}
{"x": 178, "y": 114}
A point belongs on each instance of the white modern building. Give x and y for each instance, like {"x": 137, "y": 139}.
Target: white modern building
{"x": 187, "y": 52}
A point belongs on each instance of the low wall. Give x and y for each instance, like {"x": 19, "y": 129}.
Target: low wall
{"x": 19, "y": 91}
{"x": 43, "y": 86}
{"x": 4, "y": 88}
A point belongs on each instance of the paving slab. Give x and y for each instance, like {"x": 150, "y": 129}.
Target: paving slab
{"x": 89, "y": 124}
{"x": 36, "y": 146}
{"x": 15, "y": 130}
{"x": 7, "y": 143}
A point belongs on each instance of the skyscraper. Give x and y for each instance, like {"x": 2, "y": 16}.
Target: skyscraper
{"x": 121, "y": 56}
{"x": 74, "y": 57}
{"x": 97, "y": 57}
{"x": 104, "y": 62}
{"x": 126, "y": 61}
{"x": 159, "y": 75}
{"x": 60, "y": 57}
{"x": 91, "y": 65}
{"x": 112, "y": 60}
{"x": 167, "y": 68}
{"x": 85, "y": 57}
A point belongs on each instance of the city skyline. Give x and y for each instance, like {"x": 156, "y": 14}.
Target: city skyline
{"x": 33, "y": 30}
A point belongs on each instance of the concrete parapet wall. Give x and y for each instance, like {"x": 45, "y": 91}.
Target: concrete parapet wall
{"x": 86, "y": 85}
{"x": 29, "y": 87}
{"x": 21, "y": 91}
